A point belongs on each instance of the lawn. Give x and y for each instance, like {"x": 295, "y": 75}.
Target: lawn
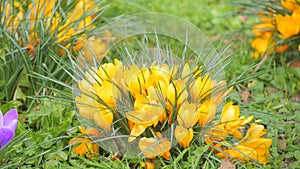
{"x": 41, "y": 72}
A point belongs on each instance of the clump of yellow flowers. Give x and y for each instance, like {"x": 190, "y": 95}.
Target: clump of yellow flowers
{"x": 278, "y": 30}
{"x": 145, "y": 103}
{"x": 41, "y": 21}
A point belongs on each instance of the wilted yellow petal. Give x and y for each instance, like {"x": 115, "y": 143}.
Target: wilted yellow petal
{"x": 152, "y": 147}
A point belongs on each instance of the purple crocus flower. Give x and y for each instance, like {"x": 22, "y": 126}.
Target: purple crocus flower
{"x": 8, "y": 125}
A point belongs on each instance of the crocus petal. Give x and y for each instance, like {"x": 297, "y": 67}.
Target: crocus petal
{"x": 6, "y": 135}
{"x": 188, "y": 115}
{"x": 151, "y": 147}
{"x": 104, "y": 119}
{"x": 137, "y": 130}
{"x": 11, "y": 119}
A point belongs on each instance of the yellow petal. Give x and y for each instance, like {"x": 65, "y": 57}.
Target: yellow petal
{"x": 151, "y": 147}
{"x": 104, "y": 119}
{"x": 146, "y": 117}
{"x": 137, "y": 130}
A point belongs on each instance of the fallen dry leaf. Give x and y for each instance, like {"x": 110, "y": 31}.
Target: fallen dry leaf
{"x": 296, "y": 99}
{"x": 226, "y": 164}
{"x": 243, "y": 18}
{"x": 282, "y": 144}
{"x": 245, "y": 96}
{"x": 271, "y": 89}
{"x": 296, "y": 64}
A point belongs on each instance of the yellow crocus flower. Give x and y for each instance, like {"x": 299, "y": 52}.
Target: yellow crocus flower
{"x": 184, "y": 136}
{"x": 252, "y": 146}
{"x": 262, "y": 44}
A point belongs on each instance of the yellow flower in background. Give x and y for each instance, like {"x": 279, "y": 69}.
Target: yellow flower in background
{"x": 287, "y": 26}
{"x": 290, "y": 4}
{"x": 261, "y": 29}
{"x": 63, "y": 28}
{"x": 262, "y": 45}
{"x": 12, "y": 18}
{"x": 281, "y": 21}
{"x": 86, "y": 145}
{"x": 94, "y": 47}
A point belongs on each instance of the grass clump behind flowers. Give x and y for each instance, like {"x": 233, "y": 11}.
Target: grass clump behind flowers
{"x": 147, "y": 110}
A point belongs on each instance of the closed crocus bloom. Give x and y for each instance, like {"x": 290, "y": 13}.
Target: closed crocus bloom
{"x": 184, "y": 136}
{"x": 94, "y": 47}
{"x": 157, "y": 86}
{"x": 8, "y": 125}
{"x": 287, "y": 26}
{"x": 188, "y": 115}
{"x": 219, "y": 92}
{"x": 207, "y": 111}
{"x": 153, "y": 147}
{"x": 290, "y": 4}
{"x": 108, "y": 71}
{"x": 201, "y": 88}
{"x": 87, "y": 103}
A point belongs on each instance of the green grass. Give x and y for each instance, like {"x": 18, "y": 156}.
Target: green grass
{"x": 46, "y": 125}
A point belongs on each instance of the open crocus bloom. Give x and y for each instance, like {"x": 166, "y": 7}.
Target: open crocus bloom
{"x": 8, "y": 125}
